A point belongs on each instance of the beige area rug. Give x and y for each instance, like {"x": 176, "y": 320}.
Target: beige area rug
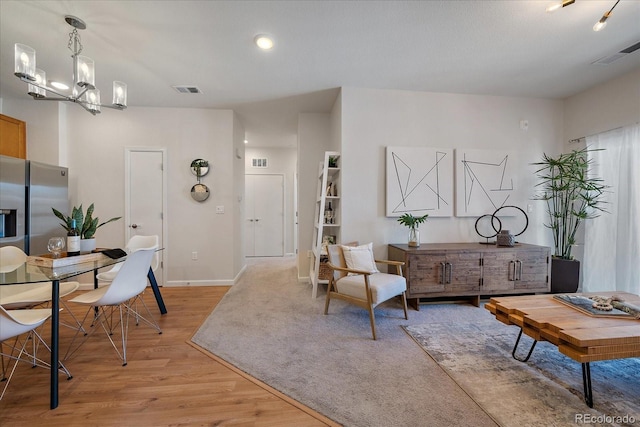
{"x": 268, "y": 326}
{"x": 545, "y": 391}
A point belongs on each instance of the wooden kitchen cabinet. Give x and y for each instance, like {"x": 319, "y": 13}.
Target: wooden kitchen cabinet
{"x": 448, "y": 270}
{"x": 13, "y": 137}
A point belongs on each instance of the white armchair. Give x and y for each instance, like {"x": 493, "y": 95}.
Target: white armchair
{"x": 356, "y": 279}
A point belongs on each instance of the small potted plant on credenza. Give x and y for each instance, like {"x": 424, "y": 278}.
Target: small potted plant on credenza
{"x": 572, "y": 195}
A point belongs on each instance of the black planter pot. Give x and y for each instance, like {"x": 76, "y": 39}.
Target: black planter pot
{"x": 565, "y": 275}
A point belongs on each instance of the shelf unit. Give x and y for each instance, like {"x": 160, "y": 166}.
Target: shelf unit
{"x": 325, "y": 228}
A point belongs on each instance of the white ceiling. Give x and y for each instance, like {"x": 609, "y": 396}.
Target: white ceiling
{"x": 505, "y": 48}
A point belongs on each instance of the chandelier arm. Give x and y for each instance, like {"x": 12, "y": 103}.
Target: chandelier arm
{"x": 84, "y": 89}
{"x": 48, "y": 89}
{"x": 82, "y": 104}
{"x": 114, "y": 106}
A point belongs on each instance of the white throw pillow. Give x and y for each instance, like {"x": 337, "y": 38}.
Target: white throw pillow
{"x": 360, "y": 258}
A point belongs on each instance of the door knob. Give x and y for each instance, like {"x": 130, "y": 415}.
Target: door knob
{"x": 134, "y": 225}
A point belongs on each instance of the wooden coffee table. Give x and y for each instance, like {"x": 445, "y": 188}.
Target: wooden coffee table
{"x": 580, "y": 336}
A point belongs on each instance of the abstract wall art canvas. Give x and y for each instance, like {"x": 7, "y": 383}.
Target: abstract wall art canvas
{"x": 419, "y": 181}
{"x": 485, "y": 181}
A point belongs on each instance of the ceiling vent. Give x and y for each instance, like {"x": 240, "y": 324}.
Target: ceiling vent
{"x": 611, "y": 58}
{"x": 187, "y": 89}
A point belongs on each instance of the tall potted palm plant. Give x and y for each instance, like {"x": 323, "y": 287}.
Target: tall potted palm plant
{"x": 572, "y": 196}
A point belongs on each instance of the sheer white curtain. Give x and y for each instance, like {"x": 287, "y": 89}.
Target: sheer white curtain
{"x": 612, "y": 241}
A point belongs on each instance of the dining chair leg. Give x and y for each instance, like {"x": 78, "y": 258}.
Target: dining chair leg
{"x": 4, "y": 368}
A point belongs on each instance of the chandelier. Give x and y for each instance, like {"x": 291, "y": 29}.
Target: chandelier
{"x": 84, "y": 92}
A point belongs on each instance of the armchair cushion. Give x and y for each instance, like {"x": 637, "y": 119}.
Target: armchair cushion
{"x": 360, "y": 258}
{"x": 383, "y": 286}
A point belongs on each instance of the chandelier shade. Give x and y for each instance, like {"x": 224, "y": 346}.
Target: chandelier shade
{"x": 84, "y": 92}
{"x": 86, "y": 72}
{"x": 119, "y": 93}
{"x": 41, "y": 80}
{"x": 25, "y": 60}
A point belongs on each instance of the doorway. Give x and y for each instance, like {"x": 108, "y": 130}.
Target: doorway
{"x": 146, "y": 198}
{"x": 264, "y": 222}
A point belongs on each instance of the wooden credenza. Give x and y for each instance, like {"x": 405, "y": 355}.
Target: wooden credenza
{"x": 437, "y": 270}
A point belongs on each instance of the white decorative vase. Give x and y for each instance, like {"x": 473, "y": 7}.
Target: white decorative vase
{"x": 87, "y": 245}
{"x": 414, "y": 237}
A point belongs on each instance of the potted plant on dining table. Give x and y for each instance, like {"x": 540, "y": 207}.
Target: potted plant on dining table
{"x": 89, "y": 225}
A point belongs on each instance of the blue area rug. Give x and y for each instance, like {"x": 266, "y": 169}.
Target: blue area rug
{"x": 547, "y": 390}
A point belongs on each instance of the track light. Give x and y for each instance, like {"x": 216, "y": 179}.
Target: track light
{"x": 603, "y": 21}
{"x": 559, "y": 4}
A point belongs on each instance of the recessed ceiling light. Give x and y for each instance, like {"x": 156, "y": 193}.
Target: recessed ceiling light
{"x": 59, "y": 85}
{"x": 263, "y": 41}
{"x": 246, "y": 142}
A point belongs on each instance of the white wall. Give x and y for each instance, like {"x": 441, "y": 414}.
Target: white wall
{"x": 280, "y": 161}
{"x": 45, "y": 142}
{"x": 238, "y": 199}
{"x": 374, "y": 119}
{"x": 604, "y": 107}
{"x": 314, "y": 138}
{"x": 96, "y": 165}
{"x": 93, "y": 149}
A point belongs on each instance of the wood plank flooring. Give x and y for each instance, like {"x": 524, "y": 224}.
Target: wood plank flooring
{"x": 168, "y": 381}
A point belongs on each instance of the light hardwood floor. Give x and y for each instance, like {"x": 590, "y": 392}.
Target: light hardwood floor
{"x": 167, "y": 382}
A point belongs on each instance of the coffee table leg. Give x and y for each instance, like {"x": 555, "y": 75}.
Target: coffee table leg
{"x": 515, "y": 347}
{"x": 586, "y": 381}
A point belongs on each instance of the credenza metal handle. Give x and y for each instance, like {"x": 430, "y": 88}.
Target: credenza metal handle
{"x": 512, "y": 271}
{"x": 450, "y": 271}
{"x": 518, "y": 270}
{"x": 443, "y": 271}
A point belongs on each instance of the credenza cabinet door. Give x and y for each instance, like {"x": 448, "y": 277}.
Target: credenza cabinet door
{"x": 425, "y": 273}
{"x": 462, "y": 271}
{"x": 533, "y": 270}
{"x": 499, "y": 271}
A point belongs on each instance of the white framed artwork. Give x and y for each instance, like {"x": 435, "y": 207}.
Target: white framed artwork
{"x": 419, "y": 181}
{"x": 485, "y": 181}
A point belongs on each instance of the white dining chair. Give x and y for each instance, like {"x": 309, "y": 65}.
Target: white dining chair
{"x": 31, "y": 294}
{"x": 15, "y": 324}
{"x": 135, "y": 243}
{"x": 122, "y": 297}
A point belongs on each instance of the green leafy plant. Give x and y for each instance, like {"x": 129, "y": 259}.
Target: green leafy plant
{"x": 571, "y": 195}
{"x": 88, "y": 222}
{"x": 411, "y": 221}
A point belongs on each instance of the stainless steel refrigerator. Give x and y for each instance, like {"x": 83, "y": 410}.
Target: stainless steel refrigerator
{"x": 28, "y": 191}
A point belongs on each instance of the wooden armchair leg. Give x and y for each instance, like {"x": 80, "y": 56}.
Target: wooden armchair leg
{"x": 373, "y": 321}
{"x": 328, "y": 297}
{"x": 404, "y": 305}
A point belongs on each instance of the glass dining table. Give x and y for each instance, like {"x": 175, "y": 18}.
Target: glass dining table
{"x": 30, "y": 273}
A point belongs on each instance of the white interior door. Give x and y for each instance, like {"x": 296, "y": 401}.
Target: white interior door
{"x": 264, "y": 196}
{"x": 145, "y": 204}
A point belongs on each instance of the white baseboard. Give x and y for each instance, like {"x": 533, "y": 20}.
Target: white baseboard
{"x": 178, "y": 283}
{"x": 183, "y": 283}
{"x": 207, "y": 282}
